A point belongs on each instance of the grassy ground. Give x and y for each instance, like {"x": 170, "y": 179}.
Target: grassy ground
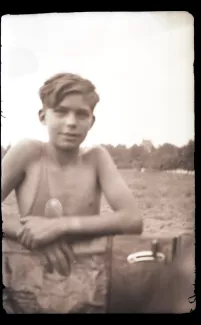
{"x": 166, "y": 200}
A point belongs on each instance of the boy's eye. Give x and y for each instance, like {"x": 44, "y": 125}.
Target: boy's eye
{"x": 60, "y": 111}
{"x": 82, "y": 114}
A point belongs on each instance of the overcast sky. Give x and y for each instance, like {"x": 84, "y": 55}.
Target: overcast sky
{"x": 141, "y": 64}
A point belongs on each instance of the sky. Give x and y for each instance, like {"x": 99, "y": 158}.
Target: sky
{"x": 140, "y": 62}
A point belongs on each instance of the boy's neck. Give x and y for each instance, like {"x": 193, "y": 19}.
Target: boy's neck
{"x": 63, "y": 157}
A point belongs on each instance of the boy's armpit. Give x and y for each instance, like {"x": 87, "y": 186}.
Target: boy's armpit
{"x": 15, "y": 163}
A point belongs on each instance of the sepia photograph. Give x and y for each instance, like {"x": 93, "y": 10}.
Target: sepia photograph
{"x": 97, "y": 156}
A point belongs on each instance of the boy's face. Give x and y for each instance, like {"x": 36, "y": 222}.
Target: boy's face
{"x": 69, "y": 122}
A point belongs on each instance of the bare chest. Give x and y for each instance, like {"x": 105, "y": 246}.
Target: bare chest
{"x": 76, "y": 188}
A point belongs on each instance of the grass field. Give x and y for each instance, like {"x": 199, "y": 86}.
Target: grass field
{"x": 166, "y": 200}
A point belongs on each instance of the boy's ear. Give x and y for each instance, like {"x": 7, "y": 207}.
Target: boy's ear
{"x": 93, "y": 120}
{"x": 41, "y": 115}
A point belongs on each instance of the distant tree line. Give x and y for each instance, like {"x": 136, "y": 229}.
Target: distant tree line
{"x": 165, "y": 157}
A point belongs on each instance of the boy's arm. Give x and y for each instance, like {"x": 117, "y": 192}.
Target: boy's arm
{"x": 11, "y": 228}
{"x": 125, "y": 218}
{"x": 14, "y": 165}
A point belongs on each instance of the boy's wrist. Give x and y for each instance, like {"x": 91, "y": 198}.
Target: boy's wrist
{"x": 58, "y": 227}
{"x": 68, "y": 225}
{"x": 11, "y": 229}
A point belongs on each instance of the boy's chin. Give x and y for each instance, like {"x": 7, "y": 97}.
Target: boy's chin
{"x": 68, "y": 146}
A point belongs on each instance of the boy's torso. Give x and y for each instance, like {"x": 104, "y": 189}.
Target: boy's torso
{"x": 76, "y": 186}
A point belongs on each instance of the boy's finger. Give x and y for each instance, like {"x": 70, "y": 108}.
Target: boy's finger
{"x": 50, "y": 258}
{"x": 25, "y": 240}
{"x": 19, "y": 234}
{"x": 47, "y": 263}
{"x": 55, "y": 261}
{"x": 67, "y": 249}
{"x": 63, "y": 262}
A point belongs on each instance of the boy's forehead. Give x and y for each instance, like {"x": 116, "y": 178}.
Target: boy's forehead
{"x": 74, "y": 101}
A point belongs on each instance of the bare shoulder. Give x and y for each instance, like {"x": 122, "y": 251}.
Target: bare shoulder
{"x": 100, "y": 158}
{"x": 95, "y": 150}
{"x": 97, "y": 154}
{"x": 16, "y": 162}
{"x": 24, "y": 151}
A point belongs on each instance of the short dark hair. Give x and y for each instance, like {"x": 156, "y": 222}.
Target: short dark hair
{"x": 60, "y": 85}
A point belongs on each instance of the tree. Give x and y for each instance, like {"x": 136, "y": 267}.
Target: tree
{"x": 186, "y": 156}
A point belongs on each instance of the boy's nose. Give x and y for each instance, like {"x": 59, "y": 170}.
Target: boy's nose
{"x": 70, "y": 120}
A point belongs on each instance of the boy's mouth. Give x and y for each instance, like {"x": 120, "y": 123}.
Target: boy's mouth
{"x": 69, "y": 135}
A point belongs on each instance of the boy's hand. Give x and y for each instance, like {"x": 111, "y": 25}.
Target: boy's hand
{"x": 37, "y": 231}
{"x": 58, "y": 256}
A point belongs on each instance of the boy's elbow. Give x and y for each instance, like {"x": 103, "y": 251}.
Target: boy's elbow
{"x": 133, "y": 223}
{"x": 139, "y": 226}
